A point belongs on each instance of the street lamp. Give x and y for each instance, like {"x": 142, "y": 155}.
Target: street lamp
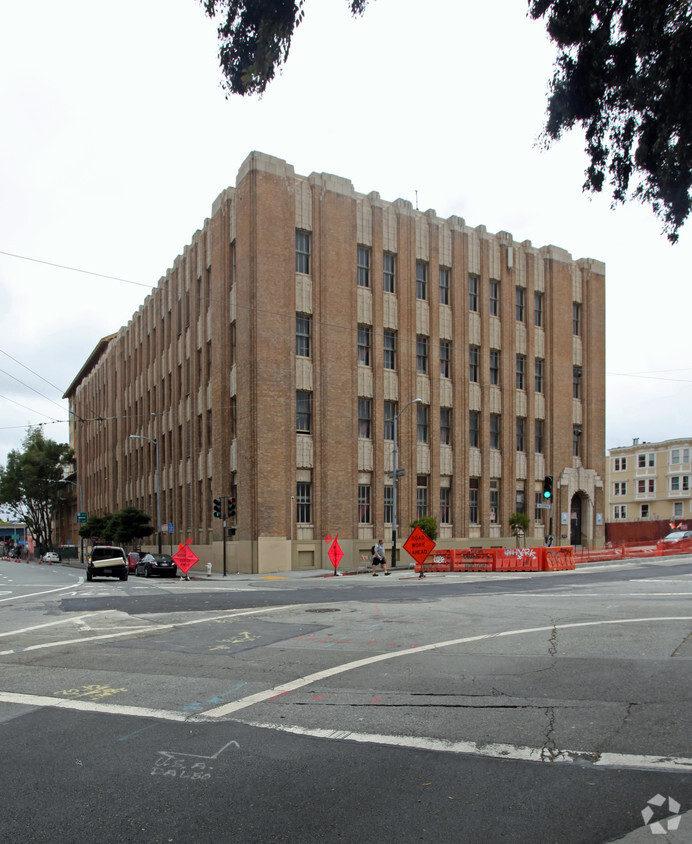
{"x": 395, "y": 477}
{"x": 158, "y": 484}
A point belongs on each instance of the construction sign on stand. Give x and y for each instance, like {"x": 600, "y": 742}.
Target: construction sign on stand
{"x": 419, "y": 545}
{"x": 185, "y": 557}
{"x": 335, "y": 553}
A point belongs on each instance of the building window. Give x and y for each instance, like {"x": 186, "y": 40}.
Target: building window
{"x": 494, "y": 430}
{"x": 445, "y": 359}
{"x": 389, "y": 414}
{"x": 646, "y": 460}
{"x": 364, "y": 418}
{"x": 388, "y": 272}
{"x": 364, "y": 504}
{"x": 620, "y": 464}
{"x": 521, "y": 432}
{"x": 474, "y": 429}
{"x": 303, "y": 503}
{"x": 677, "y": 509}
{"x": 390, "y": 350}
{"x": 445, "y": 507}
{"x": 422, "y": 496}
{"x": 576, "y": 441}
{"x": 678, "y": 455}
{"x": 388, "y": 504}
{"x": 520, "y": 502}
{"x": 538, "y": 436}
{"x": 474, "y": 364}
{"x": 421, "y": 355}
{"x": 422, "y": 417}
{"x": 473, "y": 293}
{"x": 444, "y": 285}
{"x": 538, "y": 309}
{"x": 538, "y": 511}
{"x": 641, "y": 486}
{"x": 363, "y": 264}
{"x": 521, "y": 372}
{"x": 421, "y": 280}
{"x": 474, "y": 517}
{"x": 494, "y": 298}
{"x": 494, "y": 366}
{"x": 494, "y": 502}
{"x": 644, "y": 511}
{"x": 620, "y": 488}
{"x": 576, "y": 318}
{"x": 520, "y": 298}
{"x": 302, "y": 252}
{"x": 303, "y": 331}
{"x": 538, "y": 373}
{"x": 620, "y": 511}
{"x": 303, "y": 412}
{"x": 363, "y": 345}
{"x": 576, "y": 382}
{"x": 445, "y": 426}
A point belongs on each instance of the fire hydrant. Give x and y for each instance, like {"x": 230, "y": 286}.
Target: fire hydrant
{"x": 208, "y": 569}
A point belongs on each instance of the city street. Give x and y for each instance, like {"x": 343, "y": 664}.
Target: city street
{"x": 527, "y": 707}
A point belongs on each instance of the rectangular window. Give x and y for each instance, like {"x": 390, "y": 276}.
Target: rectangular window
{"x": 474, "y": 429}
{"x": 494, "y": 502}
{"x": 494, "y": 430}
{"x": 620, "y": 511}
{"x": 473, "y": 293}
{"x": 521, "y": 433}
{"x": 388, "y": 272}
{"x": 364, "y": 517}
{"x": 641, "y": 461}
{"x": 677, "y": 509}
{"x": 421, "y": 280}
{"x": 644, "y": 511}
{"x": 620, "y": 488}
{"x": 576, "y": 319}
{"x": 445, "y": 359}
{"x": 675, "y": 456}
{"x": 474, "y": 364}
{"x": 641, "y": 486}
{"x": 494, "y": 298}
{"x": 576, "y": 382}
{"x": 538, "y": 511}
{"x": 422, "y": 496}
{"x": 521, "y": 372}
{"x": 445, "y": 426}
{"x": 364, "y": 418}
{"x": 520, "y": 502}
{"x": 389, "y": 414}
{"x": 620, "y": 464}
{"x": 538, "y": 375}
{"x": 363, "y": 345}
{"x": 494, "y": 366}
{"x": 652, "y": 485}
{"x": 303, "y": 503}
{"x": 444, "y": 285}
{"x": 388, "y": 504}
{"x": 303, "y": 412}
{"x": 303, "y": 332}
{"x": 538, "y": 309}
{"x": 422, "y": 421}
{"x": 538, "y": 436}
{"x": 474, "y": 517}
{"x": 520, "y": 299}
{"x": 421, "y": 355}
{"x": 302, "y": 252}
{"x": 445, "y": 507}
{"x": 390, "y": 350}
{"x": 675, "y": 484}
{"x": 363, "y": 265}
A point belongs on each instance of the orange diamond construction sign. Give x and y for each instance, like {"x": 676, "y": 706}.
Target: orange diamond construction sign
{"x": 419, "y": 545}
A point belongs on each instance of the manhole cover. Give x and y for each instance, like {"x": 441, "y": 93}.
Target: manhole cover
{"x": 324, "y": 609}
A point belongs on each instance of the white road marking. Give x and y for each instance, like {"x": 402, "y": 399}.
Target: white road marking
{"x": 88, "y": 706}
{"x": 34, "y": 594}
{"x": 76, "y": 620}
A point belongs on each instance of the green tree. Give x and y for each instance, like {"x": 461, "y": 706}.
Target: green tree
{"x": 129, "y": 524}
{"x": 622, "y": 73}
{"x": 97, "y": 527}
{"x": 519, "y": 524}
{"x": 428, "y": 524}
{"x": 29, "y": 482}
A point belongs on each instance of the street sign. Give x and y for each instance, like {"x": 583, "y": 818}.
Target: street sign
{"x": 542, "y": 506}
{"x": 419, "y": 545}
{"x": 185, "y": 558}
{"x": 335, "y": 553}
{"x": 81, "y": 518}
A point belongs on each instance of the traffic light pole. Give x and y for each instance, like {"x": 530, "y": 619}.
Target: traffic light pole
{"x": 224, "y": 507}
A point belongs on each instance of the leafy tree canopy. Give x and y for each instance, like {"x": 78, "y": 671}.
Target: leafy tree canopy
{"x": 123, "y": 527}
{"x": 622, "y": 74}
{"x": 428, "y": 524}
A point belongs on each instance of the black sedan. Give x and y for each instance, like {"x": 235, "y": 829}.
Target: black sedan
{"x": 160, "y": 564}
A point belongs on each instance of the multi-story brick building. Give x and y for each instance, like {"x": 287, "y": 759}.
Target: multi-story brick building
{"x": 272, "y": 359}
{"x": 649, "y": 489}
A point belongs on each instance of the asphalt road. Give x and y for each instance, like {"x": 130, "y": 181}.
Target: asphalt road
{"x": 471, "y": 707}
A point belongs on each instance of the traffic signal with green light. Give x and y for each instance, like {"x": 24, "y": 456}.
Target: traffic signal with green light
{"x": 548, "y": 487}
{"x": 217, "y": 508}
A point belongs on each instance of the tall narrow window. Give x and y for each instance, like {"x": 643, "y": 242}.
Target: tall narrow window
{"x": 364, "y": 418}
{"x": 520, "y": 304}
{"x": 363, "y": 261}
{"x": 474, "y": 363}
{"x": 363, "y": 345}
{"x": 303, "y": 503}
{"x": 303, "y": 332}
{"x": 364, "y": 517}
{"x": 303, "y": 412}
{"x": 538, "y": 309}
{"x": 444, "y": 285}
{"x": 422, "y": 419}
{"x": 494, "y": 430}
{"x": 538, "y": 438}
{"x": 521, "y": 372}
{"x": 445, "y": 359}
{"x": 388, "y": 272}
{"x": 302, "y": 252}
{"x": 474, "y": 429}
{"x": 576, "y": 382}
{"x": 445, "y": 426}
{"x": 494, "y": 366}
{"x": 494, "y": 502}
{"x": 538, "y": 375}
{"x": 422, "y": 496}
{"x": 576, "y": 441}
{"x": 421, "y": 280}
{"x": 473, "y": 292}
{"x": 390, "y": 350}
{"x": 521, "y": 433}
{"x": 445, "y": 506}
{"x": 389, "y": 414}
{"x": 388, "y": 504}
{"x": 494, "y": 298}
{"x": 576, "y": 318}
{"x": 421, "y": 355}
{"x": 474, "y": 516}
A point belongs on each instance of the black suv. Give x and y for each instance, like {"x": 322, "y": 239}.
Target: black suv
{"x": 107, "y": 561}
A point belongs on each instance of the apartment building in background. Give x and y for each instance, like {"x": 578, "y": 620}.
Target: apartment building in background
{"x": 649, "y": 489}
{"x": 272, "y": 359}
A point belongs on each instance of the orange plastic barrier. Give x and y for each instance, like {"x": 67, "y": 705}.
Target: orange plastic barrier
{"x": 473, "y": 559}
{"x": 518, "y": 559}
{"x": 437, "y": 561}
{"x": 558, "y": 559}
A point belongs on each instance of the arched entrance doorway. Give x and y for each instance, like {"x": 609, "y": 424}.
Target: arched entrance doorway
{"x": 575, "y": 520}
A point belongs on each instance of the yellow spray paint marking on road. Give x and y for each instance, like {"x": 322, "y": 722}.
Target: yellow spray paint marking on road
{"x": 91, "y": 692}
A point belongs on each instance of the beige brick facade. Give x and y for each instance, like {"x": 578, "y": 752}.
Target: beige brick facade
{"x": 397, "y": 304}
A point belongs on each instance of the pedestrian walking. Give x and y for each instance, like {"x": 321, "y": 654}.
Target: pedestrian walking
{"x": 378, "y": 558}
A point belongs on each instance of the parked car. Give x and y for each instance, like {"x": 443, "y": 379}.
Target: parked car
{"x": 50, "y": 557}
{"x": 107, "y": 561}
{"x": 677, "y": 536}
{"x": 161, "y": 564}
{"x": 132, "y": 559}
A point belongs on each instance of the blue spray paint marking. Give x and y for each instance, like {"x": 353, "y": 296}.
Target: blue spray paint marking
{"x": 196, "y": 706}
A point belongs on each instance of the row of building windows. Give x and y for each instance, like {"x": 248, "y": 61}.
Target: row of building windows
{"x": 620, "y": 511}
{"x": 677, "y": 483}
{"x": 363, "y": 276}
{"x": 676, "y": 457}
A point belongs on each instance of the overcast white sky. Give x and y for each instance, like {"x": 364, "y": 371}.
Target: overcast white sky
{"x": 115, "y": 138}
